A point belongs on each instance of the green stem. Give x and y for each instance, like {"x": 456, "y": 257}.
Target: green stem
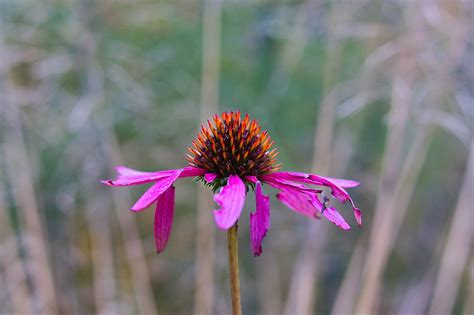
{"x": 233, "y": 246}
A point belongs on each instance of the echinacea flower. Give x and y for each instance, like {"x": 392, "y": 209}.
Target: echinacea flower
{"x": 232, "y": 155}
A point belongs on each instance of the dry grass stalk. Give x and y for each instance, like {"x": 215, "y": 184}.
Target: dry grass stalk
{"x": 136, "y": 259}
{"x": 98, "y": 218}
{"x": 348, "y": 290}
{"x": 268, "y": 281}
{"x": 305, "y": 273}
{"x": 15, "y": 287}
{"x": 104, "y": 284}
{"x": 21, "y": 178}
{"x": 469, "y": 302}
{"x": 458, "y": 246}
{"x": 204, "y": 292}
{"x": 396, "y": 190}
{"x": 379, "y": 236}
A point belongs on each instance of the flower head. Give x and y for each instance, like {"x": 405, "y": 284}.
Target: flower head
{"x": 233, "y": 146}
{"x": 232, "y": 155}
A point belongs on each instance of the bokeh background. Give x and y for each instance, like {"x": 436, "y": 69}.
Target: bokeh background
{"x": 377, "y": 91}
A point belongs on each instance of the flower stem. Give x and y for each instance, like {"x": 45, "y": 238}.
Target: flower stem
{"x": 233, "y": 246}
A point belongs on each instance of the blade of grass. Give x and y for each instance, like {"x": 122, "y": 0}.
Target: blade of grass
{"x": 458, "y": 246}
{"x": 204, "y": 291}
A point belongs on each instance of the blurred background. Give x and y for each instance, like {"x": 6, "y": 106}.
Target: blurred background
{"x": 377, "y": 91}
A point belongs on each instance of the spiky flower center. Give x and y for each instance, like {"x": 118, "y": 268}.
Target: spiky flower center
{"x": 233, "y": 146}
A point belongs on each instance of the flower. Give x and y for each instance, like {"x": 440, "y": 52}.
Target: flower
{"x": 232, "y": 155}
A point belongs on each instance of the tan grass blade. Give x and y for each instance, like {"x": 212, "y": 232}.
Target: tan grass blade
{"x": 458, "y": 246}
{"x": 204, "y": 291}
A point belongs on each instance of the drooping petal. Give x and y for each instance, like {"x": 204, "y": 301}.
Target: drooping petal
{"x": 231, "y": 199}
{"x": 129, "y": 177}
{"x": 286, "y": 184}
{"x": 331, "y": 214}
{"x": 304, "y": 177}
{"x": 335, "y": 217}
{"x": 164, "y": 218}
{"x": 210, "y": 177}
{"x": 259, "y": 220}
{"x": 345, "y": 183}
{"x": 252, "y": 179}
{"x": 298, "y": 201}
{"x": 190, "y": 171}
{"x": 123, "y": 170}
{"x": 152, "y": 194}
{"x": 337, "y": 190}
{"x": 358, "y": 216}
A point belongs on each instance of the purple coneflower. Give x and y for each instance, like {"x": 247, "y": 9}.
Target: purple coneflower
{"x": 232, "y": 155}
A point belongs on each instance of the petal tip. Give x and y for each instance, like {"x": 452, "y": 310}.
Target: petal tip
{"x": 258, "y": 252}
{"x": 358, "y": 216}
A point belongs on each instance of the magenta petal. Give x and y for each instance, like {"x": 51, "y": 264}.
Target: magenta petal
{"x": 252, "y": 179}
{"x": 314, "y": 179}
{"x": 190, "y": 171}
{"x": 123, "y": 170}
{"x": 128, "y": 177}
{"x": 210, "y": 177}
{"x": 335, "y": 217}
{"x": 152, "y": 194}
{"x": 231, "y": 199}
{"x": 259, "y": 220}
{"x": 358, "y": 216}
{"x": 337, "y": 190}
{"x": 286, "y": 184}
{"x": 298, "y": 201}
{"x": 345, "y": 183}
{"x": 164, "y": 218}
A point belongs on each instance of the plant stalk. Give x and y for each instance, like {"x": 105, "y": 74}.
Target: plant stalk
{"x": 233, "y": 246}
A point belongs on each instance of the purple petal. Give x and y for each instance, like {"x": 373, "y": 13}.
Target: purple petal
{"x": 252, "y": 179}
{"x": 259, "y": 220}
{"x": 306, "y": 178}
{"x": 331, "y": 214}
{"x": 164, "y": 218}
{"x": 123, "y": 170}
{"x": 335, "y": 217}
{"x": 231, "y": 199}
{"x": 152, "y": 194}
{"x": 210, "y": 177}
{"x": 298, "y": 201}
{"x": 337, "y": 191}
{"x": 128, "y": 177}
{"x": 358, "y": 216}
{"x": 345, "y": 183}
{"x": 190, "y": 171}
{"x": 288, "y": 185}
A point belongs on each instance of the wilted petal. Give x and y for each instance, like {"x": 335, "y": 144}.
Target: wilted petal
{"x": 335, "y": 217}
{"x": 358, "y": 216}
{"x": 210, "y": 177}
{"x": 152, "y": 194}
{"x": 288, "y": 185}
{"x": 334, "y": 183}
{"x": 231, "y": 199}
{"x": 298, "y": 201}
{"x": 306, "y": 178}
{"x": 164, "y": 218}
{"x": 345, "y": 183}
{"x": 331, "y": 214}
{"x": 259, "y": 220}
